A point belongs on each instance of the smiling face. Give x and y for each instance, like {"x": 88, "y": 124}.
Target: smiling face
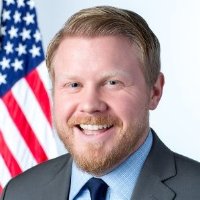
{"x": 101, "y": 100}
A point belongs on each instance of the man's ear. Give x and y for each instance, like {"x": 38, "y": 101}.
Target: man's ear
{"x": 156, "y": 92}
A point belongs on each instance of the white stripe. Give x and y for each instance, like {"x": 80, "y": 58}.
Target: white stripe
{"x": 35, "y": 116}
{"x": 5, "y": 174}
{"x": 44, "y": 76}
{"x": 14, "y": 140}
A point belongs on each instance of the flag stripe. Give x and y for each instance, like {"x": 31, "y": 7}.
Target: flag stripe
{"x": 1, "y": 189}
{"x": 5, "y": 173}
{"x": 26, "y": 131}
{"x": 8, "y": 157}
{"x": 44, "y": 76}
{"x": 26, "y": 99}
{"x": 14, "y": 140}
{"x": 40, "y": 93}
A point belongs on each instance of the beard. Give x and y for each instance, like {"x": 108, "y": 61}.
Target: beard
{"x": 96, "y": 158}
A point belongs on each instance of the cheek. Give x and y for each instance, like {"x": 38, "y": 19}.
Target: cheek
{"x": 128, "y": 107}
{"x": 131, "y": 110}
{"x": 62, "y": 107}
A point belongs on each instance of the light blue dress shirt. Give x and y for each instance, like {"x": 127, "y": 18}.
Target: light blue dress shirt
{"x": 121, "y": 181}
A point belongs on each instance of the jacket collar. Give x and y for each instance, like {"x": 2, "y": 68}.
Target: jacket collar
{"x": 158, "y": 167}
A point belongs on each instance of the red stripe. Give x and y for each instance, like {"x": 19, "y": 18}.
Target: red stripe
{"x": 1, "y": 189}
{"x": 9, "y": 159}
{"x": 24, "y": 128}
{"x": 40, "y": 92}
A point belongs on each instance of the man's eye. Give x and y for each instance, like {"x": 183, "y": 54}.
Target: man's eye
{"x": 113, "y": 82}
{"x": 74, "y": 85}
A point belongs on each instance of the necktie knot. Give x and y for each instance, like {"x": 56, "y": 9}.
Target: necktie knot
{"x": 97, "y": 188}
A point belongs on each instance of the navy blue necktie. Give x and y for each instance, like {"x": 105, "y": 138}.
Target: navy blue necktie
{"x": 97, "y": 188}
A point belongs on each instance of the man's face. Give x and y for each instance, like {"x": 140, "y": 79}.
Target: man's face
{"x": 101, "y": 101}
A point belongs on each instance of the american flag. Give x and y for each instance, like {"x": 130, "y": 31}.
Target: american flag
{"x": 26, "y": 136}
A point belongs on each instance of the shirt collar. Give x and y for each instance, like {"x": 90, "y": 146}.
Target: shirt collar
{"x": 121, "y": 180}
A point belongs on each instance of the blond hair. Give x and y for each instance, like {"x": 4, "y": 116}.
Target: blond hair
{"x": 111, "y": 21}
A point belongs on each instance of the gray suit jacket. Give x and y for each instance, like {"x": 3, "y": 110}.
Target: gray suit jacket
{"x": 164, "y": 176}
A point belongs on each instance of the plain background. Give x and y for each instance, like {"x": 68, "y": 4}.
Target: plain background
{"x": 177, "y": 25}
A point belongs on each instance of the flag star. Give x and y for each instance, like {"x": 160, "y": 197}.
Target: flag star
{"x": 25, "y": 34}
{"x": 3, "y": 30}
{"x": 5, "y": 63}
{"x": 13, "y": 32}
{"x": 21, "y": 49}
{"x": 20, "y": 3}
{"x": 29, "y": 19}
{"x": 17, "y": 17}
{"x": 2, "y": 79}
{"x": 8, "y": 48}
{"x": 31, "y": 4}
{"x": 17, "y": 65}
{"x": 37, "y": 36}
{"x": 8, "y": 2}
{"x": 6, "y": 15}
{"x": 35, "y": 51}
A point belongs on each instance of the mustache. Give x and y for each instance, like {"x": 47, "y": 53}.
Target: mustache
{"x": 94, "y": 120}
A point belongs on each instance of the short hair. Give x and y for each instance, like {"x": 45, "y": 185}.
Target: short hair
{"x": 112, "y": 21}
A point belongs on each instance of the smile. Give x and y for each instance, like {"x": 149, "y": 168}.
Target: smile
{"x": 92, "y": 127}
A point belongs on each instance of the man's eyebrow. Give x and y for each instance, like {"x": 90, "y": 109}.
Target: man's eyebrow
{"x": 115, "y": 73}
{"x": 66, "y": 76}
{"x": 102, "y": 75}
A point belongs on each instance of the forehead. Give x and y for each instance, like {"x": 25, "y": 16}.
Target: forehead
{"x": 105, "y": 52}
{"x": 99, "y": 46}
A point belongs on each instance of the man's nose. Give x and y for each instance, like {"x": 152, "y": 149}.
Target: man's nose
{"x": 92, "y": 101}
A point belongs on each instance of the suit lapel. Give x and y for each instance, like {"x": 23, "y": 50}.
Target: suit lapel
{"x": 158, "y": 168}
{"x": 58, "y": 186}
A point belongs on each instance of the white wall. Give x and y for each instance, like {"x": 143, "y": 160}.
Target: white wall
{"x": 177, "y": 25}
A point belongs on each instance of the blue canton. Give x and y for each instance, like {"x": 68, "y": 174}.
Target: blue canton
{"x": 20, "y": 42}
{"x": 121, "y": 181}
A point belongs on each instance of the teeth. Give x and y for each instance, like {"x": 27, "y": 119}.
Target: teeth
{"x": 91, "y": 127}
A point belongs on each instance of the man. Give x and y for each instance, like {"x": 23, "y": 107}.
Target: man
{"x": 105, "y": 70}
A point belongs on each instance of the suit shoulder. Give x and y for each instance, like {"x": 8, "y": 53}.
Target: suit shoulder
{"x": 42, "y": 172}
{"x": 31, "y": 183}
{"x": 187, "y": 166}
{"x": 51, "y": 165}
